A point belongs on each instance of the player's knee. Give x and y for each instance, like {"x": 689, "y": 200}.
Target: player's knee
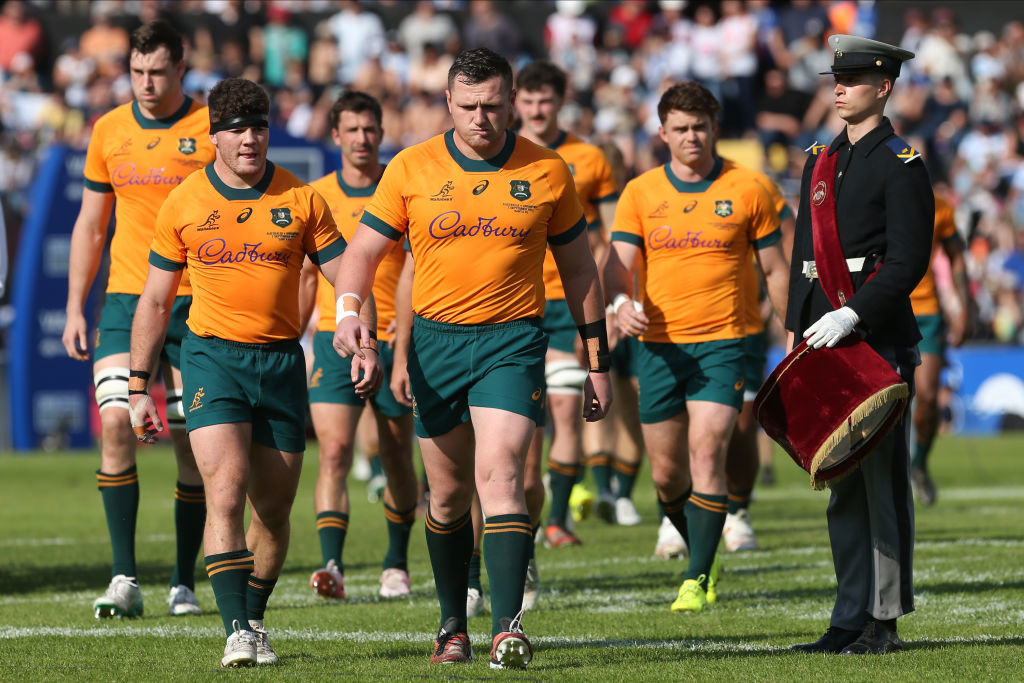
{"x": 111, "y": 390}
{"x": 175, "y": 410}
{"x": 335, "y": 456}
{"x": 564, "y": 377}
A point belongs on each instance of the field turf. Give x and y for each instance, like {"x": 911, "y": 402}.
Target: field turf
{"x": 603, "y": 612}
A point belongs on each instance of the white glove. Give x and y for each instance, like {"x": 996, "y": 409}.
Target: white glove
{"x": 141, "y": 413}
{"x": 831, "y": 327}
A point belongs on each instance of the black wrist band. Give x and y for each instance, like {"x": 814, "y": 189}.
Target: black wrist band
{"x": 134, "y": 392}
{"x": 373, "y": 334}
{"x": 139, "y": 373}
{"x": 595, "y": 345}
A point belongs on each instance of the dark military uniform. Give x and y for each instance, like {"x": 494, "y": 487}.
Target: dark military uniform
{"x": 885, "y": 210}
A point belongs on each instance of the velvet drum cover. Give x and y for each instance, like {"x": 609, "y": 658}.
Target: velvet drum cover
{"x": 829, "y": 407}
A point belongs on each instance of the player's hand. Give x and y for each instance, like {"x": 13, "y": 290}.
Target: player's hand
{"x": 400, "y": 383}
{"x": 75, "y": 337}
{"x": 597, "y": 395}
{"x": 392, "y": 326}
{"x": 957, "y": 331}
{"x": 367, "y": 372}
{"x": 831, "y": 327}
{"x": 145, "y": 419}
{"x": 631, "y": 319}
{"x": 350, "y": 335}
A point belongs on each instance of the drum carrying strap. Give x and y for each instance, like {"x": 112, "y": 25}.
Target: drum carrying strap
{"x": 833, "y": 273}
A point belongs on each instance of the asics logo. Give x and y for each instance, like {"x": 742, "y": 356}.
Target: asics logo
{"x": 481, "y": 187}
{"x": 244, "y": 216}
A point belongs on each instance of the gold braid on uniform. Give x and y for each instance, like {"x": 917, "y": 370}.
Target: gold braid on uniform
{"x": 595, "y": 345}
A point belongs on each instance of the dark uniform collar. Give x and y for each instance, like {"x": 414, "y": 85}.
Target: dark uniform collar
{"x": 883, "y": 132}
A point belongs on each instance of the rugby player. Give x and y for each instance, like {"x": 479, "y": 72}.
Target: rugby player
{"x": 137, "y": 154}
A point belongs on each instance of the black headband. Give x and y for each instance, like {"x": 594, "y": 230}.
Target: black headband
{"x": 244, "y": 121}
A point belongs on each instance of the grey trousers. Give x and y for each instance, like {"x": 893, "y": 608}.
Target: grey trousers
{"x": 871, "y": 523}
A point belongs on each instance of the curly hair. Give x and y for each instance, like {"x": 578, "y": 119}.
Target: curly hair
{"x": 536, "y": 75}
{"x": 355, "y": 101}
{"x": 237, "y": 97}
{"x": 150, "y": 37}
{"x": 690, "y": 97}
{"x": 479, "y": 65}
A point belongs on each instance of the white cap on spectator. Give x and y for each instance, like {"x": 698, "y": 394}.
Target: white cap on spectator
{"x": 624, "y": 76}
{"x": 570, "y": 8}
{"x": 606, "y": 121}
{"x": 672, "y": 5}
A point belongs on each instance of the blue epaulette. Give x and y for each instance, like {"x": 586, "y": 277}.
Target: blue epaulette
{"x": 902, "y": 150}
{"x": 815, "y": 149}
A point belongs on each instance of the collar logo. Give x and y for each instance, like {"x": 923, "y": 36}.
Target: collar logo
{"x": 723, "y": 208}
{"x": 281, "y": 217}
{"x": 445, "y": 193}
{"x": 819, "y": 194}
{"x": 479, "y": 189}
{"x": 520, "y": 189}
{"x": 153, "y": 143}
{"x": 186, "y": 145}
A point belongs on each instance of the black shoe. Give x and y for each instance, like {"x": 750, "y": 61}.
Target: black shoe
{"x": 878, "y": 638}
{"x": 832, "y": 643}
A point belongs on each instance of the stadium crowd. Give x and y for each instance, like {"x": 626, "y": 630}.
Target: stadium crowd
{"x": 962, "y": 104}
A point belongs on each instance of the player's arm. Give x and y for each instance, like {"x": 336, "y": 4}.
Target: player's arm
{"x": 618, "y": 283}
{"x": 775, "y": 267}
{"x": 585, "y": 299}
{"x": 402, "y": 337}
{"x": 356, "y": 269}
{"x": 367, "y": 360}
{"x": 954, "y": 249}
{"x": 88, "y": 237}
{"x": 307, "y": 292}
{"x": 149, "y": 326}
{"x": 598, "y": 237}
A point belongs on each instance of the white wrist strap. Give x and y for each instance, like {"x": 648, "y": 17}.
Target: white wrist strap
{"x": 345, "y": 314}
{"x": 619, "y": 300}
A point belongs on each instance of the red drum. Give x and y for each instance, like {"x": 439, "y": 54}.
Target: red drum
{"x": 829, "y": 407}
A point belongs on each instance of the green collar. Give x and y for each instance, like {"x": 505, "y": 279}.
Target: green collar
{"x": 480, "y": 165}
{"x": 355, "y": 191}
{"x": 559, "y": 141}
{"x": 160, "y": 124}
{"x": 696, "y": 186}
{"x": 235, "y": 194}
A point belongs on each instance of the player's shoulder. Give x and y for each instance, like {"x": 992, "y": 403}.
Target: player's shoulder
{"x": 197, "y": 114}
{"x": 119, "y": 116}
{"x": 530, "y": 152}
{"x": 324, "y": 183}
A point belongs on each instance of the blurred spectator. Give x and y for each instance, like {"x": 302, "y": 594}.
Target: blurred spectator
{"x": 360, "y": 35}
{"x": 938, "y": 56}
{"x": 780, "y": 111}
{"x": 323, "y": 58}
{"x": 487, "y": 27}
{"x": 430, "y": 72}
{"x": 569, "y": 34}
{"x": 633, "y": 20}
{"x": 739, "y": 60}
{"x": 706, "y": 39}
{"x": 103, "y": 42}
{"x": 200, "y": 79}
{"x": 19, "y": 33}
{"x": 679, "y": 30}
{"x": 282, "y": 43}
{"x": 426, "y": 26}
{"x": 71, "y": 73}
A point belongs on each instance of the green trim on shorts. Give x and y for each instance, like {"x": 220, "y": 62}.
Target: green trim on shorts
{"x": 114, "y": 329}
{"x": 453, "y": 367}
{"x": 226, "y": 382}
{"x": 672, "y": 374}
{"x": 933, "y": 334}
{"x": 331, "y": 380}
{"x": 560, "y": 326}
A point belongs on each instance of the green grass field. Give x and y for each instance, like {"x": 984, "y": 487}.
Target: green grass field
{"x": 603, "y": 612}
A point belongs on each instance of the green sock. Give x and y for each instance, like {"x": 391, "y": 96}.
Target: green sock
{"x": 257, "y": 592}
{"x": 376, "y": 469}
{"x": 507, "y": 541}
{"x": 601, "y": 465}
{"x": 739, "y": 500}
{"x": 399, "y": 528}
{"x": 331, "y": 526}
{"x": 625, "y": 476}
{"x": 474, "y": 571}
{"x": 189, "y": 521}
{"x": 675, "y": 510}
{"x": 229, "y": 576}
{"x": 120, "y": 493}
{"x": 562, "y": 478}
{"x": 705, "y": 517}
{"x": 919, "y": 457}
{"x": 450, "y": 546}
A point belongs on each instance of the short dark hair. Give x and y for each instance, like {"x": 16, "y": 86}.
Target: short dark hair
{"x": 237, "y": 97}
{"x": 358, "y": 102}
{"x": 688, "y": 96}
{"x": 536, "y": 75}
{"x": 479, "y": 65}
{"x": 150, "y": 37}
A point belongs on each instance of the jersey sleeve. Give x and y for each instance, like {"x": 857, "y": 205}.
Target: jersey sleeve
{"x": 628, "y": 227}
{"x": 97, "y": 175}
{"x": 387, "y": 212}
{"x": 764, "y": 217}
{"x": 605, "y": 190}
{"x": 945, "y": 226}
{"x": 168, "y": 251}
{"x": 567, "y": 220}
{"x": 322, "y": 240}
